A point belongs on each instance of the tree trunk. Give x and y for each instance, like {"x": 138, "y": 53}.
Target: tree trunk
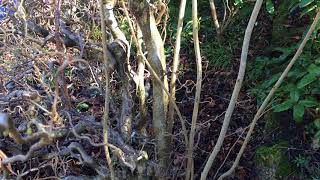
{"x": 154, "y": 45}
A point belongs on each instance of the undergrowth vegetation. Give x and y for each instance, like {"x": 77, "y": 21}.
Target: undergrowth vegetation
{"x": 159, "y": 89}
{"x": 299, "y": 95}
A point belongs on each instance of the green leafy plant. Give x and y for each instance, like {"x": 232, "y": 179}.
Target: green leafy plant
{"x": 187, "y": 31}
{"x": 302, "y": 84}
{"x": 96, "y": 32}
{"x": 305, "y": 6}
{"x": 238, "y": 3}
{"x": 269, "y": 5}
{"x": 307, "y": 168}
{"x": 83, "y": 106}
{"x": 297, "y": 105}
{"x": 302, "y": 161}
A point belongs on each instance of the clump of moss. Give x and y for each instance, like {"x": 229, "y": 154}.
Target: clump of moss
{"x": 272, "y": 122}
{"x": 272, "y": 162}
{"x": 96, "y": 33}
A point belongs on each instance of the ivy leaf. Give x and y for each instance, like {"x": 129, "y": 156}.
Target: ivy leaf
{"x": 305, "y": 3}
{"x": 83, "y": 106}
{"x": 298, "y": 112}
{"x": 273, "y": 79}
{"x": 296, "y": 73}
{"x": 238, "y": 2}
{"x": 294, "y": 95}
{"x": 313, "y": 69}
{"x": 270, "y": 6}
{"x": 307, "y": 79}
{"x": 308, "y": 102}
{"x": 316, "y": 90}
{"x": 283, "y": 106}
{"x": 307, "y": 10}
{"x": 290, "y": 87}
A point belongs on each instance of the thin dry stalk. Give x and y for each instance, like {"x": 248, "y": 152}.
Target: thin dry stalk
{"x": 176, "y": 61}
{"x": 189, "y": 173}
{"x": 234, "y": 144}
{"x": 214, "y": 16}
{"x": 236, "y": 90}
{"x": 106, "y": 106}
{"x": 141, "y": 88}
{"x": 140, "y": 71}
{"x": 270, "y": 95}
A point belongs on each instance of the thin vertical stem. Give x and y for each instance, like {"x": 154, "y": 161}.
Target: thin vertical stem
{"x": 175, "y": 65}
{"x": 198, "y": 88}
{"x": 106, "y": 105}
{"x": 236, "y": 90}
{"x": 214, "y": 16}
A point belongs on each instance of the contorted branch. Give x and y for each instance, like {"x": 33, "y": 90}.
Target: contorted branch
{"x": 54, "y": 112}
{"x": 41, "y": 143}
{"x": 111, "y": 21}
{"x": 86, "y": 159}
{"x": 119, "y": 47}
{"x": 236, "y": 90}
{"x": 6, "y": 123}
{"x": 270, "y": 95}
{"x": 127, "y": 155}
{"x": 145, "y": 169}
{"x": 141, "y": 92}
{"x": 140, "y": 72}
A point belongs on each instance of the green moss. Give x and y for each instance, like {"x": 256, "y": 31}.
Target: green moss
{"x": 284, "y": 168}
{"x": 273, "y": 159}
{"x": 266, "y": 156}
{"x": 96, "y": 32}
{"x": 272, "y": 122}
